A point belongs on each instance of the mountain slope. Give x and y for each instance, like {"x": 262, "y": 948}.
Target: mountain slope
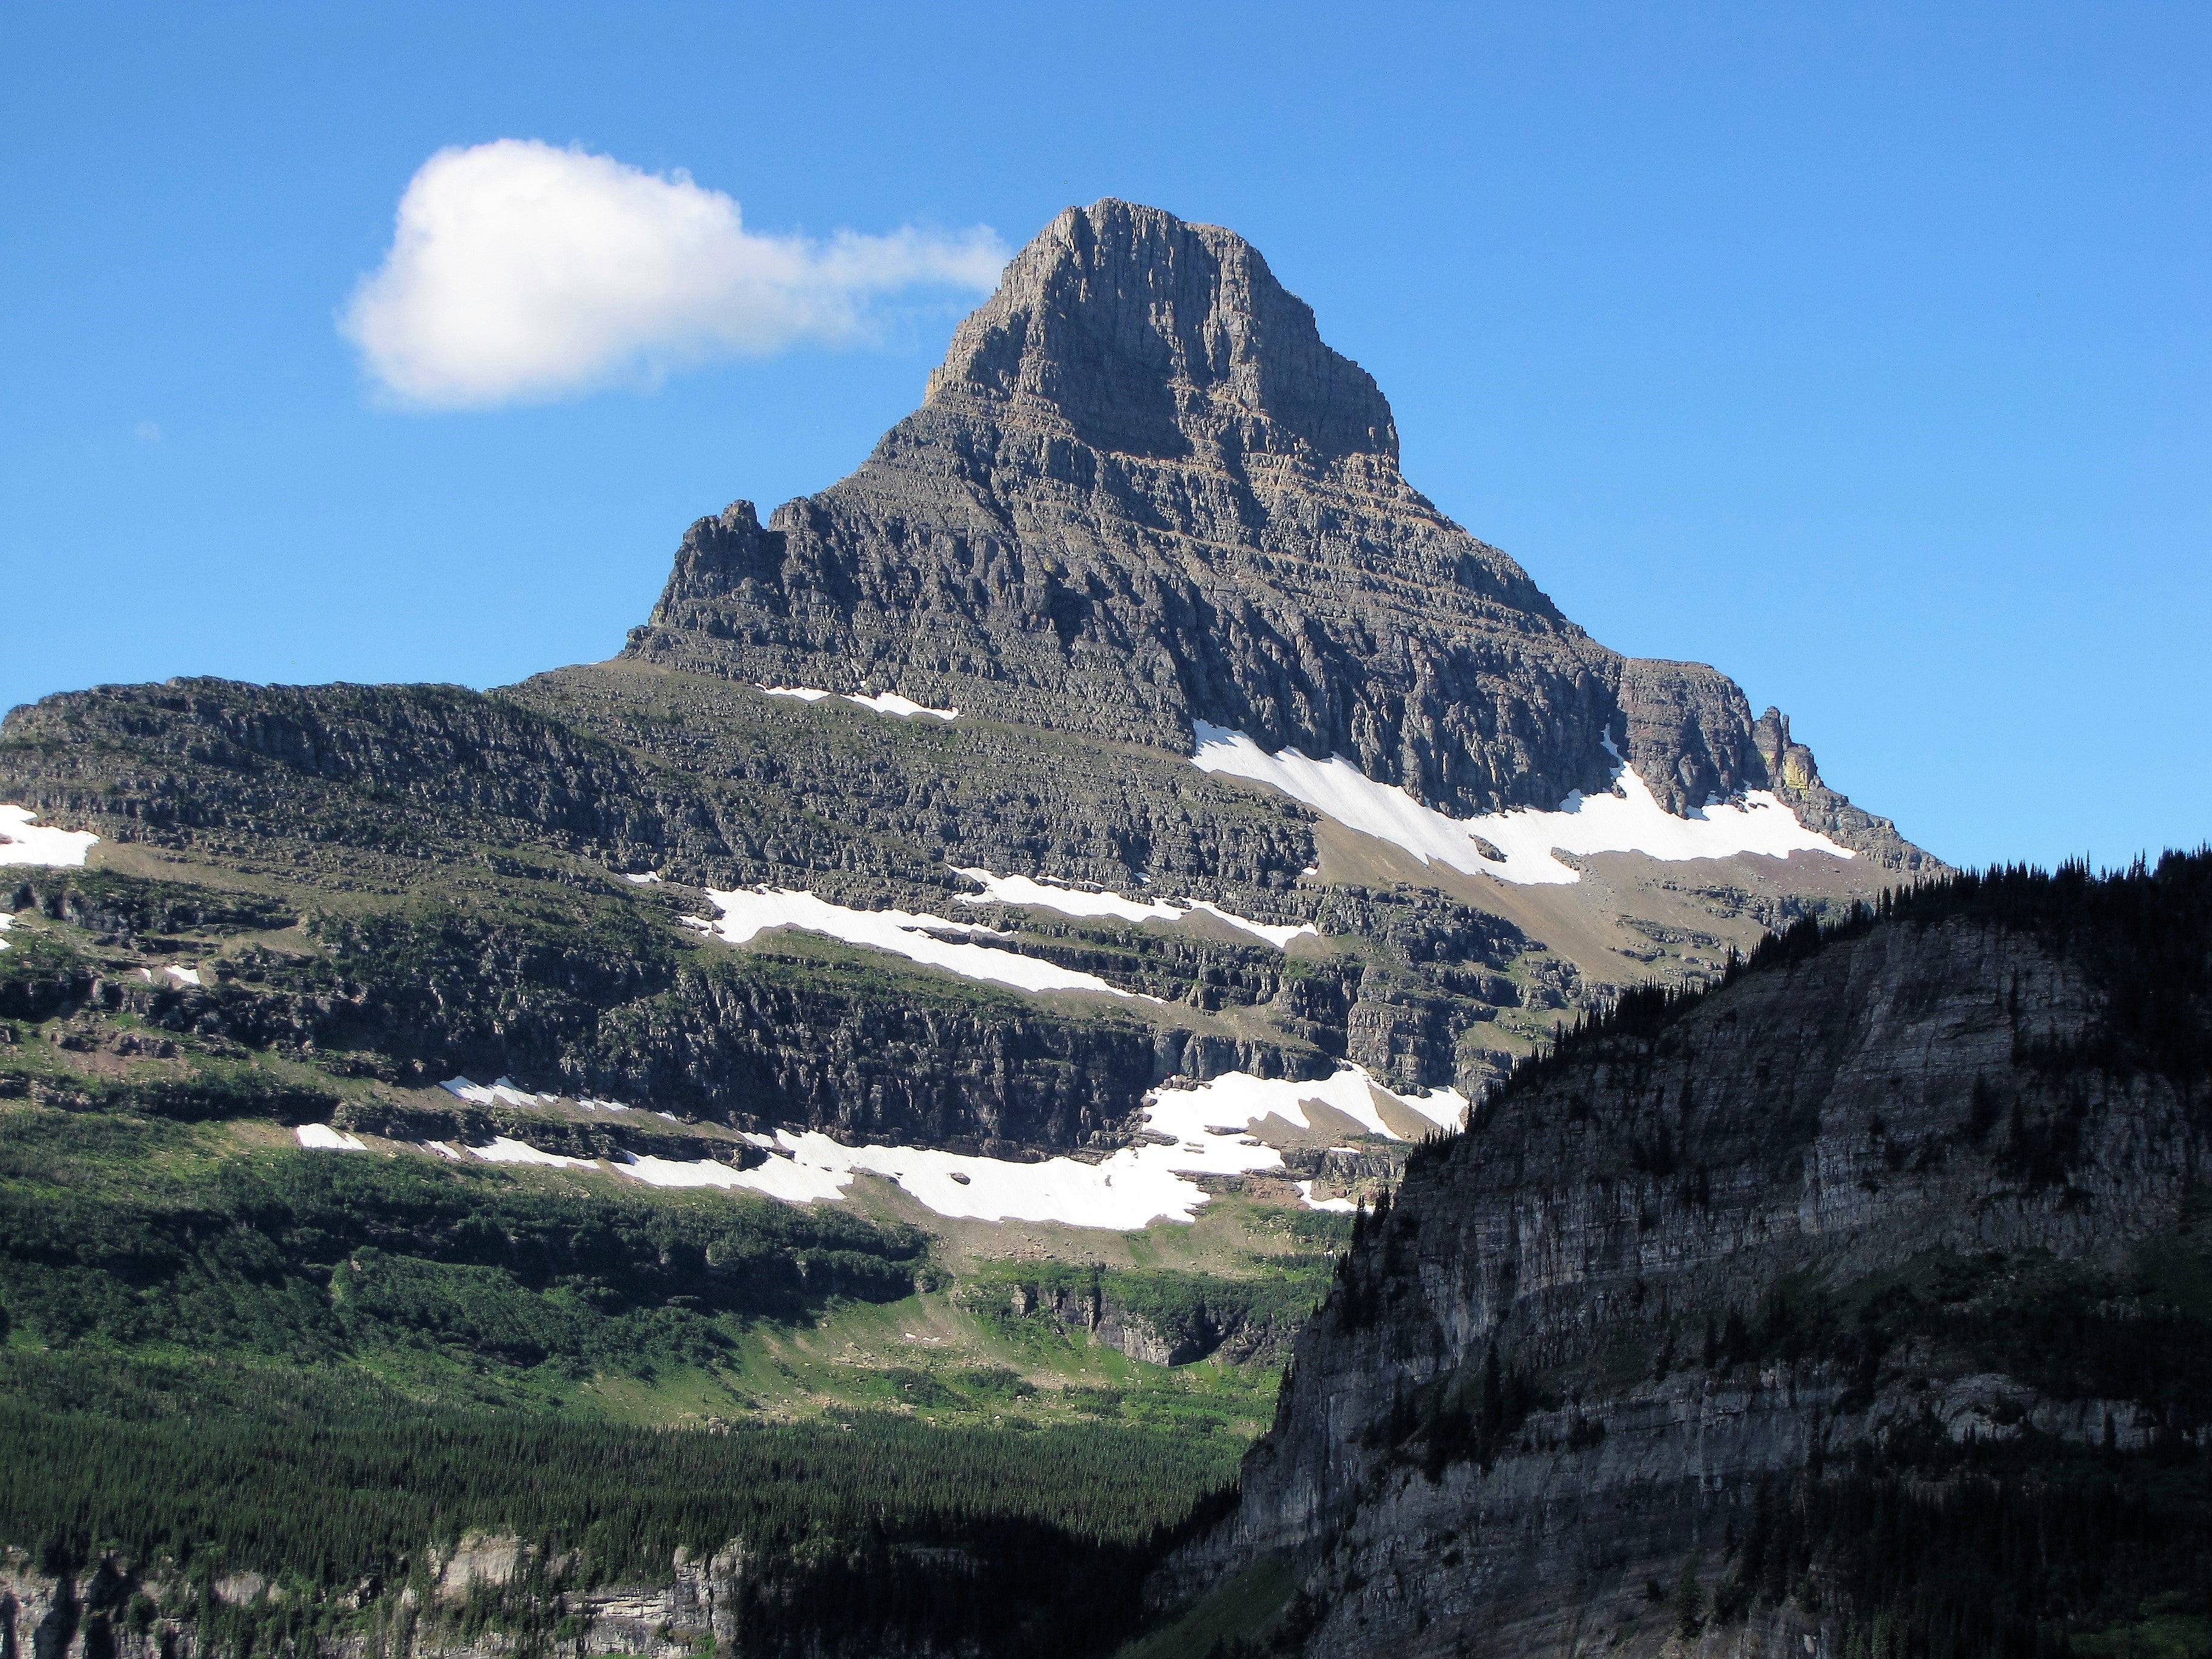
{"x": 1910, "y": 1214}
{"x": 1141, "y": 492}
{"x": 1075, "y": 856}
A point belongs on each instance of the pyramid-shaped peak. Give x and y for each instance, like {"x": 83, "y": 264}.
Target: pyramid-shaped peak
{"x": 1137, "y": 332}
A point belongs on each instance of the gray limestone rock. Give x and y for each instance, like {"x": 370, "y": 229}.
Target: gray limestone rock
{"x": 1832, "y": 1117}
{"x": 1142, "y": 492}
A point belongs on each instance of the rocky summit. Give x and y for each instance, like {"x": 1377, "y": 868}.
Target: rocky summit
{"x": 1115, "y": 944}
{"x": 1142, "y": 492}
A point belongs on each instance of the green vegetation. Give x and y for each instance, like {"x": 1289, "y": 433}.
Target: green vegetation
{"x": 1259, "y": 1612}
{"x": 318, "y": 1366}
{"x": 223, "y": 1352}
{"x": 876, "y": 1527}
{"x": 2070, "y": 1332}
{"x": 2024, "y": 1547}
{"x": 1187, "y": 1313}
{"x": 2139, "y": 934}
{"x": 133, "y": 1232}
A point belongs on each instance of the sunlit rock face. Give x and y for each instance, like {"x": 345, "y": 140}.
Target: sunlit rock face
{"x": 1142, "y": 492}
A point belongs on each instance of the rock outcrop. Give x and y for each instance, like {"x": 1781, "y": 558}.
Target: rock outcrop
{"x": 119, "y": 1609}
{"x": 1625, "y": 1228}
{"x": 1140, "y": 492}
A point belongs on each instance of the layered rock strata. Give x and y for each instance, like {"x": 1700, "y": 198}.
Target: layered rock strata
{"x": 1140, "y": 492}
{"x": 1921, "y": 1093}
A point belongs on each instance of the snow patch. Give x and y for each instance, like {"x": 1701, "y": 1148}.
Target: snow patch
{"x": 645, "y": 880}
{"x": 747, "y": 914}
{"x": 1335, "y": 1206}
{"x": 889, "y": 702}
{"x": 1050, "y": 895}
{"x": 502, "y": 1093}
{"x": 7, "y": 920}
{"x": 22, "y": 841}
{"x": 183, "y": 976}
{"x": 321, "y": 1138}
{"x": 1238, "y": 1098}
{"x": 786, "y": 1178}
{"x": 1201, "y": 1130}
{"x": 778, "y": 1177}
{"x": 1275, "y": 934}
{"x": 1631, "y": 822}
{"x": 503, "y": 1149}
{"x": 677, "y": 1172}
{"x": 1136, "y": 1186}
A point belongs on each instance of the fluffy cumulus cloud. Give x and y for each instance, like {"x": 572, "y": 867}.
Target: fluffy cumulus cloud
{"x": 523, "y": 272}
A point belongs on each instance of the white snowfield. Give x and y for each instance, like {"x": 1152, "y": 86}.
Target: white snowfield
{"x": 503, "y": 1149}
{"x": 22, "y": 841}
{"x": 1209, "y": 1124}
{"x": 320, "y": 1137}
{"x": 1050, "y": 895}
{"x": 1340, "y": 1206}
{"x": 1238, "y": 1098}
{"x": 645, "y": 880}
{"x": 747, "y": 914}
{"x": 1631, "y": 822}
{"x": 888, "y": 702}
{"x": 1208, "y": 1130}
{"x": 7, "y": 920}
{"x": 183, "y": 976}
{"x": 502, "y": 1093}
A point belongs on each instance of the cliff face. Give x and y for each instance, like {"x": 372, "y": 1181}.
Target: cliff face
{"x": 1552, "y": 1372}
{"x": 1140, "y": 492}
{"x": 483, "y": 1597}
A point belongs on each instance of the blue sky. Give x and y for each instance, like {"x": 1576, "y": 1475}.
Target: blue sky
{"x": 1863, "y": 351}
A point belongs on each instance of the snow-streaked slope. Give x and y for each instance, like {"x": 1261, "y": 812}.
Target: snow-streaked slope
{"x": 1631, "y": 822}
{"x": 1208, "y": 1129}
{"x": 22, "y": 841}
{"x": 503, "y": 1149}
{"x": 1124, "y": 1193}
{"x": 1238, "y": 1098}
{"x": 1075, "y": 902}
{"x": 746, "y": 914}
{"x": 1339, "y": 1206}
{"x": 1209, "y": 1123}
{"x": 787, "y": 1178}
{"x": 502, "y": 1093}
{"x": 652, "y": 1172}
{"x": 321, "y": 1138}
{"x": 677, "y": 1172}
{"x": 888, "y": 702}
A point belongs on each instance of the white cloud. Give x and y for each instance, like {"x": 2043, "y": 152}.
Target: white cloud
{"x": 521, "y": 272}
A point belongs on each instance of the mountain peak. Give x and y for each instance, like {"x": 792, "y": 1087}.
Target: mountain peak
{"x": 1138, "y": 333}
{"x": 1142, "y": 494}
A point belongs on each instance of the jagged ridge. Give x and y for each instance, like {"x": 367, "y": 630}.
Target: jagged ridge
{"x": 1142, "y": 491}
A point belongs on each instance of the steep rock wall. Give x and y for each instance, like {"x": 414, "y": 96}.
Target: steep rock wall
{"x": 1140, "y": 492}
{"x": 1919, "y": 1089}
